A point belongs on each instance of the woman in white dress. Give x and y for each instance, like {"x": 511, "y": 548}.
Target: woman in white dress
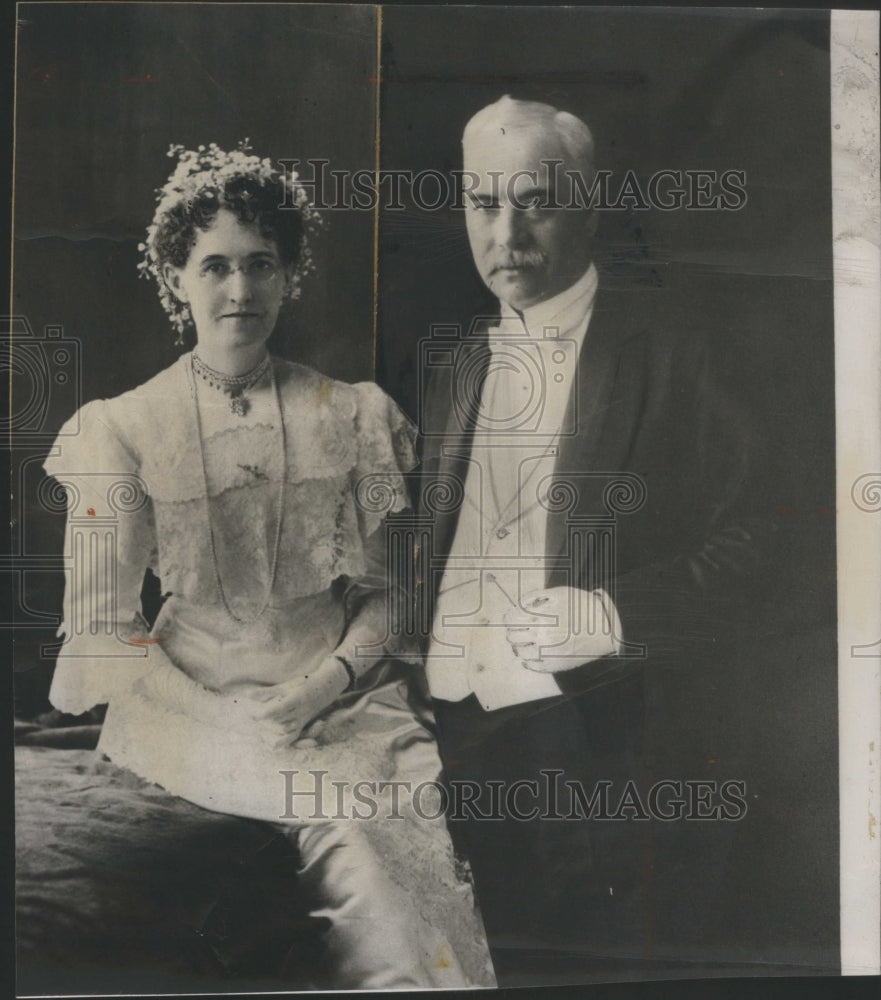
{"x": 257, "y": 489}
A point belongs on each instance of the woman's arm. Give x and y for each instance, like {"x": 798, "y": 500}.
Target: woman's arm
{"x": 384, "y": 455}
{"x": 166, "y": 684}
{"x": 110, "y": 540}
{"x": 293, "y": 704}
{"x": 109, "y": 543}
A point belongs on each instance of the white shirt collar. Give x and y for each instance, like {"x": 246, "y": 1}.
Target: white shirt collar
{"x": 566, "y": 312}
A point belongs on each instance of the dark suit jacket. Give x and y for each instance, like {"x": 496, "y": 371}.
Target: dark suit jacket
{"x": 650, "y": 403}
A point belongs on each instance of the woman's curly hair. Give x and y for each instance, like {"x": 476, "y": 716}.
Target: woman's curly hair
{"x": 208, "y": 179}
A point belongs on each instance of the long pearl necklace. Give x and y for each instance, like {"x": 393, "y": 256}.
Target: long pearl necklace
{"x": 279, "y": 512}
{"x": 232, "y": 386}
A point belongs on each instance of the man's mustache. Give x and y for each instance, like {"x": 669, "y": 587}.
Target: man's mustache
{"x": 518, "y": 258}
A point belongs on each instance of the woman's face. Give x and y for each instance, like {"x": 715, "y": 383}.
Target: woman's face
{"x": 233, "y": 281}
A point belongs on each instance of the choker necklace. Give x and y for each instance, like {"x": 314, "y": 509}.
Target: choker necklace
{"x": 279, "y": 517}
{"x": 232, "y": 386}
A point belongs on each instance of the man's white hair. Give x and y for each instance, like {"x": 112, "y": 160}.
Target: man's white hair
{"x": 508, "y": 114}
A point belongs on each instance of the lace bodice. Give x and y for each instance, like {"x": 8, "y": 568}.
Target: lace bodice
{"x": 336, "y": 435}
{"x": 139, "y": 492}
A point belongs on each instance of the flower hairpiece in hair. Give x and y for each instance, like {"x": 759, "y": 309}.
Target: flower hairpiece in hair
{"x": 209, "y": 169}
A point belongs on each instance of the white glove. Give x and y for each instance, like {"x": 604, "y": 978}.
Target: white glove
{"x": 561, "y": 628}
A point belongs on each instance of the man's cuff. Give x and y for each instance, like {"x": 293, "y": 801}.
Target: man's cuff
{"x": 613, "y": 621}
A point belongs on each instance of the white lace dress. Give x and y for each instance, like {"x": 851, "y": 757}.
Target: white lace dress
{"x": 266, "y": 530}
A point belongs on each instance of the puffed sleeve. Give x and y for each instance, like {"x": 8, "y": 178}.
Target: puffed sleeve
{"x": 386, "y": 453}
{"x": 109, "y": 543}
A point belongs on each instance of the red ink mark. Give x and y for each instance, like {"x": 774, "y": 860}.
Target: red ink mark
{"x": 91, "y": 511}
{"x": 147, "y": 641}
{"x": 148, "y": 78}
{"x": 788, "y": 510}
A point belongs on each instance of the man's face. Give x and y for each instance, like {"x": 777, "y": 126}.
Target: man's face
{"x": 525, "y": 251}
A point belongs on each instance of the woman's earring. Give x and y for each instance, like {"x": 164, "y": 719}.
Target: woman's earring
{"x": 185, "y": 319}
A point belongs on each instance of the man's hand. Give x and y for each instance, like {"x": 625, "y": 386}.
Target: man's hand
{"x": 289, "y": 707}
{"x": 560, "y": 628}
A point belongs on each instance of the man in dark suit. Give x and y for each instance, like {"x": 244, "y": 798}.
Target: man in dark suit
{"x": 590, "y": 489}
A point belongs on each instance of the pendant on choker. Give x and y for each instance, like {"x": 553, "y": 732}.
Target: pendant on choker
{"x": 239, "y": 405}
{"x": 233, "y": 387}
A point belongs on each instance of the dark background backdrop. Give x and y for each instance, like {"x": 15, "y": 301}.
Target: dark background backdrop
{"x": 682, "y": 89}
{"x": 104, "y": 89}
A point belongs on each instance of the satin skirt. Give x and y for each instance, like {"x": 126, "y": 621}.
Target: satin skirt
{"x": 359, "y": 792}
